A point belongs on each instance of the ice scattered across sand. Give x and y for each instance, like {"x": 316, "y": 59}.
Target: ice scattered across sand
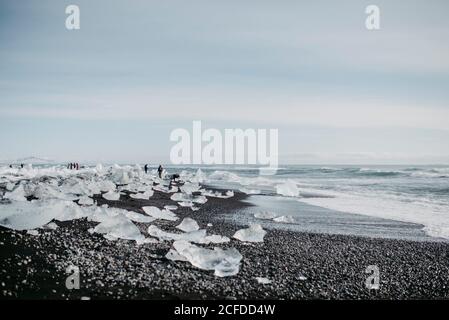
{"x": 284, "y": 219}
{"x": 288, "y": 189}
{"x": 111, "y": 195}
{"x": 25, "y": 215}
{"x": 263, "y": 280}
{"x": 223, "y": 262}
{"x": 254, "y": 233}
{"x": 266, "y": 215}
{"x": 160, "y": 214}
{"x": 188, "y": 225}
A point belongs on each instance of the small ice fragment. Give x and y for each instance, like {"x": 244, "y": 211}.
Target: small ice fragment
{"x": 250, "y": 191}
{"x": 254, "y": 233}
{"x": 262, "y": 280}
{"x": 284, "y": 219}
{"x": 111, "y": 195}
{"x": 193, "y": 236}
{"x": 160, "y": 214}
{"x": 145, "y": 196}
{"x": 17, "y": 195}
{"x": 170, "y": 207}
{"x": 302, "y": 278}
{"x": 51, "y": 226}
{"x": 137, "y": 217}
{"x": 10, "y": 186}
{"x": 186, "y": 204}
{"x": 209, "y": 224}
{"x": 265, "y": 215}
{"x": 188, "y": 225}
{"x": 288, "y": 189}
{"x": 33, "y": 232}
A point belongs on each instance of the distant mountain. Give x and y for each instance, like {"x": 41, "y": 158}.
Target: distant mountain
{"x": 30, "y": 160}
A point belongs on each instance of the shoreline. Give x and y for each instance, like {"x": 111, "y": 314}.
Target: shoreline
{"x": 300, "y": 265}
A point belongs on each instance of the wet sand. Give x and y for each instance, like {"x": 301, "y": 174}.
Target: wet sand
{"x": 300, "y": 265}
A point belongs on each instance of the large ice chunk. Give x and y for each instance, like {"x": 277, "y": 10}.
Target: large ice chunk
{"x": 223, "y": 262}
{"x": 254, "y": 233}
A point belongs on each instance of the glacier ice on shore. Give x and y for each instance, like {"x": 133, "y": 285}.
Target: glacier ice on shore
{"x": 266, "y": 215}
{"x": 187, "y": 225}
{"x": 255, "y": 233}
{"x": 145, "y": 195}
{"x": 111, "y": 195}
{"x": 223, "y": 262}
{"x": 284, "y": 219}
{"x": 157, "y": 213}
{"x": 288, "y": 189}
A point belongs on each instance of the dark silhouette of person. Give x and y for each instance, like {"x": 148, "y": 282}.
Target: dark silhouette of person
{"x": 160, "y": 170}
{"x": 21, "y": 165}
{"x": 10, "y": 166}
{"x": 146, "y": 168}
{"x": 71, "y": 165}
{"x": 77, "y": 166}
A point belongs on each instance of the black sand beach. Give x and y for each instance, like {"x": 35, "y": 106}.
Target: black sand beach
{"x": 300, "y": 265}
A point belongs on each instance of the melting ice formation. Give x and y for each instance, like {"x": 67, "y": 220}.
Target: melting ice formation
{"x": 273, "y": 216}
{"x": 223, "y": 262}
{"x": 254, "y": 233}
{"x": 35, "y": 197}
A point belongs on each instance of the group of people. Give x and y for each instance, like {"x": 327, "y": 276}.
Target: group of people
{"x": 160, "y": 170}
{"x": 21, "y": 166}
{"x": 73, "y": 166}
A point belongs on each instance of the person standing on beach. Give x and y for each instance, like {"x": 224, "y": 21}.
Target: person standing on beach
{"x": 146, "y": 168}
{"x": 160, "y": 170}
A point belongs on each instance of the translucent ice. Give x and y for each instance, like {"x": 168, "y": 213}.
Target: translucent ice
{"x": 160, "y": 214}
{"x": 284, "y": 219}
{"x": 288, "y": 189}
{"x": 254, "y": 233}
{"x": 223, "y": 262}
{"x": 188, "y": 225}
{"x": 111, "y": 195}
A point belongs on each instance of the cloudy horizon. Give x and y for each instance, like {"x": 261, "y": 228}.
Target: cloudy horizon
{"x": 115, "y": 89}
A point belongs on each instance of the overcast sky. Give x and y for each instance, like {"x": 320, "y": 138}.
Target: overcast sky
{"x": 136, "y": 70}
